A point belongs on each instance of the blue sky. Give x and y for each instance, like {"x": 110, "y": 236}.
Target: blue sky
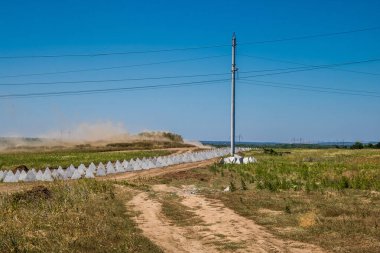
{"x": 199, "y": 112}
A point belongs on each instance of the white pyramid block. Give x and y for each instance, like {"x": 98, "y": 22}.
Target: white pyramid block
{"x": 2, "y": 175}
{"x": 119, "y": 168}
{"x": 81, "y": 169}
{"x": 30, "y": 176}
{"x": 69, "y": 172}
{"x": 17, "y": 175}
{"x": 110, "y": 169}
{"x": 136, "y": 166}
{"x": 61, "y": 174}
{"x": 125, "y": 164}
{"x": 54, "y": 174}
{"x": 151, "y": 165}
{"x": 249, "y": 159}
{"x": 39, "y": 175}
{"x": 129, "y": 167}
{"x": 101, "y": 166}
{"x": 92, "y": 167}
{"x": 10, "y": 178}
{"x": 76, "y": 175}
{"x": 22, "y": 176}
{"x": 47, "y": 175}
{"x": 89, "y": 174}
{"x": 100, "y": 172}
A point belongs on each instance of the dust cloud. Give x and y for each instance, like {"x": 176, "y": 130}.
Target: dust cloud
{"x": 84, "y": 133}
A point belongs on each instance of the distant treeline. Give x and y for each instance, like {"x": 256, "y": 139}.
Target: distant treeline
{"x": 356, "y": 145}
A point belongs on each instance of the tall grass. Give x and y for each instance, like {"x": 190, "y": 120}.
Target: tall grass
{"x": 81, "y": 216}
{"x": 305, "y": 170}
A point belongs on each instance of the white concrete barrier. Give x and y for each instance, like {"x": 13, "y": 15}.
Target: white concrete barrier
{"x": 119, "y": 167}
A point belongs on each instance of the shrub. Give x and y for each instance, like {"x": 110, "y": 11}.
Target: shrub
{"x": 357, "y": 145}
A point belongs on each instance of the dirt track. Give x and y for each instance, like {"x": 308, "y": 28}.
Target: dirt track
{"x": 160, "y": 171}
{"x": 221, "y": 230}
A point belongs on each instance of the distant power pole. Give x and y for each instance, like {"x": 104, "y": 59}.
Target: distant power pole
{"x": 233, "y": 70}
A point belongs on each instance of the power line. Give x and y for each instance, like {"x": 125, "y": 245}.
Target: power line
{"x": 284, "y": 71}
{"x": 112, "y": 53}
{"x": 311, "y": 90}
{"x": 315, "y": 87}
{"x": 308, "y": 65}
{"x": 113, "y": 67}
{"x": 142, "y": 78}
{"x": 113, "y": 80}
{"x": 301, "y": 37}
{"x": 86, "y": 92}
{"x": 316, "y": 67}
{"x": 147, "y": 78}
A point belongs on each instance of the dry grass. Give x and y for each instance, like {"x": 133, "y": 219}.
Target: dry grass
{"x": 176, "y": 212}
{"x": 82, "y": 216}
{"x": 339, "y": 211}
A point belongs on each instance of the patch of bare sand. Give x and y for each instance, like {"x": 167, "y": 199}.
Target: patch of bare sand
{"x": 158, "y": 229}
{"x": 222, "y": 229}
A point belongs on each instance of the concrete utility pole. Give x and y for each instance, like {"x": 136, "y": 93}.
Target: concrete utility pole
{"x": 233, "y": 70}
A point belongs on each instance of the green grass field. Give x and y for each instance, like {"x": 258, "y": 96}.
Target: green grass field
{"x": 327, "y": 197}
{"x": 53, "y": 159}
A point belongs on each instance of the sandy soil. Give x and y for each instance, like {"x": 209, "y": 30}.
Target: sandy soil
{"x": 221, "y": 230}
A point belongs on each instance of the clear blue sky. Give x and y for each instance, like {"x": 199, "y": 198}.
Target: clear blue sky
{"x": 201, "y": 112}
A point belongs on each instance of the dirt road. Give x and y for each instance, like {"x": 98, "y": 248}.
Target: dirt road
{"x": 221, "y": 228}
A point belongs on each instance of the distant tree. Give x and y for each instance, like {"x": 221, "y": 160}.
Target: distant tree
{"x": 370, "y": 145}
{"x": 357, "y": 145}
{"x": 377, "y": 145}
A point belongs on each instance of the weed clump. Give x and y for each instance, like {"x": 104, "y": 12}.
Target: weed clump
{"x": 35, "y": 194}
